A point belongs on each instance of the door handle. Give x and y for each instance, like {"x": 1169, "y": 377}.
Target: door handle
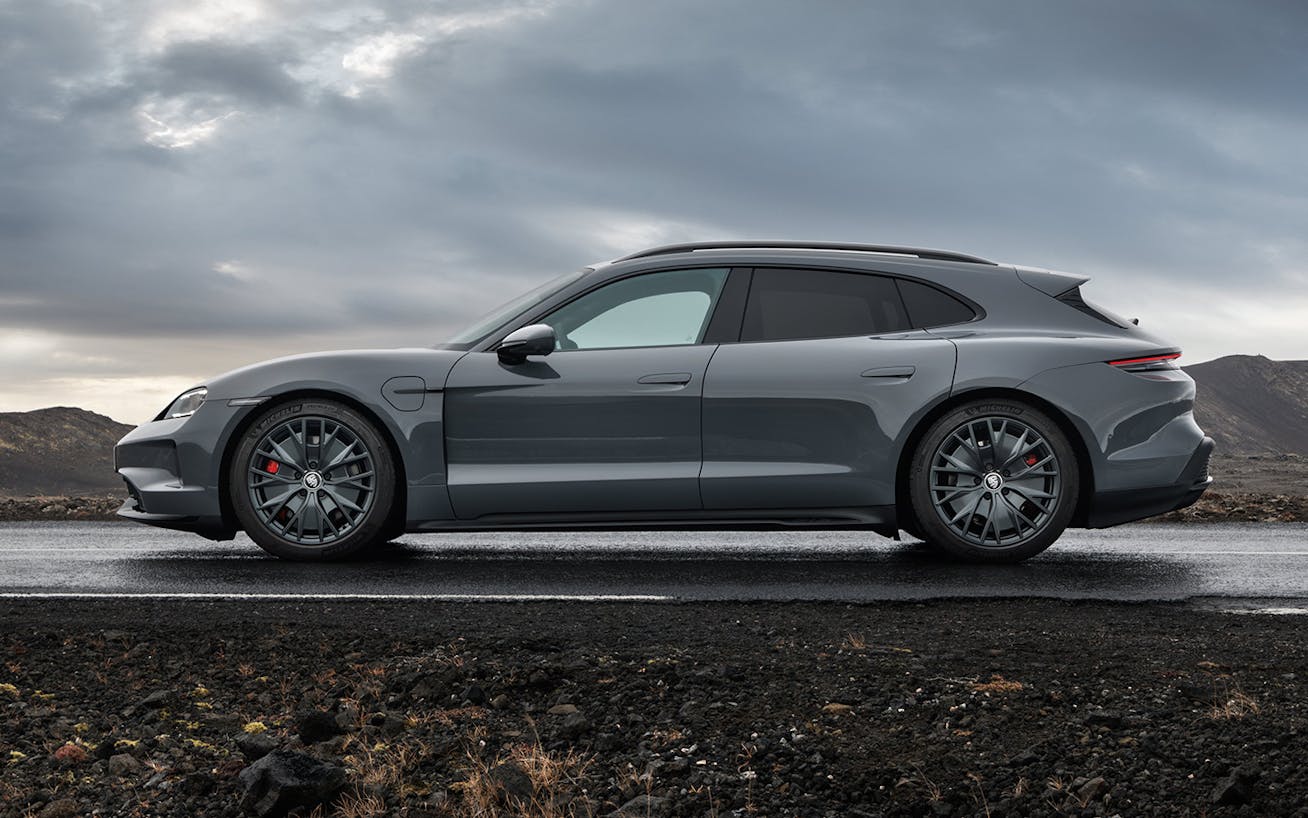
{"x": 665, "y": 378}
{"x": 900, "y": 372}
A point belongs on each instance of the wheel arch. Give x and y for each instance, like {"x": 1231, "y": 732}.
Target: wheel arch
{"x": 1085, "y": 466}
{"x": 399, "y": 510}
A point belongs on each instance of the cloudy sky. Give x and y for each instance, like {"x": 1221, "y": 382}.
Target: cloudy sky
{"x": 186, "y": 187}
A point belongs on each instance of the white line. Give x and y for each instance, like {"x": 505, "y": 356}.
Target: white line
{"x": 408, "y": 597}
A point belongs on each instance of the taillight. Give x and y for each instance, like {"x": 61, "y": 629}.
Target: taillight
{"x": 1148, "y": 363}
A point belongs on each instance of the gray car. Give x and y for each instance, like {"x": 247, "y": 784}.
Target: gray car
{"x": 980, "y": 407}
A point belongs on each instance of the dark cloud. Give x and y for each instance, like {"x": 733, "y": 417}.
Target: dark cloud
{"x": 248, "y": 73}
{"x": 328, "y": 176}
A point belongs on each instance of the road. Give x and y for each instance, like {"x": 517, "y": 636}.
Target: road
{"x": 1248, "y": 565}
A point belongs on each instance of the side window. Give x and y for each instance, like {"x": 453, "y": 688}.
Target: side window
{"x": 929, "y": 307}
{"x": 656, "y": 309}
{"x": 789, "y": 305}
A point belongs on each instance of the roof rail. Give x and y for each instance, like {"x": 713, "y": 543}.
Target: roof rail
{"x": 919, "y": 252}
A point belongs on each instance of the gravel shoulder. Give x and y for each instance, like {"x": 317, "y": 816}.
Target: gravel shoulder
{"x": 947, "y": 708}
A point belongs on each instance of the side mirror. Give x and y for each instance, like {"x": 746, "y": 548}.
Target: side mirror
{"x": 537, "y": 339}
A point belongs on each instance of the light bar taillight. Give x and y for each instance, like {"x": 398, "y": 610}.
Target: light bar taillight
{"x": 1147, "y": 363}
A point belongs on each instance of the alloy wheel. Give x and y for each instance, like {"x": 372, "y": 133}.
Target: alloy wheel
{"x": 311, "y": 480}
{"x": 995, "y": 481}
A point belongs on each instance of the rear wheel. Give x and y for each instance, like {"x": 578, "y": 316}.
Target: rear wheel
{"x": 993, "y": 481}
{"x": 313, "y": 480}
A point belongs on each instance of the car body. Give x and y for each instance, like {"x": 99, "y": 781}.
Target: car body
{"x": 715, "y": 384}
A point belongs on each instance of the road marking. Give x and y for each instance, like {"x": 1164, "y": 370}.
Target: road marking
{"x": 342, "y": 597}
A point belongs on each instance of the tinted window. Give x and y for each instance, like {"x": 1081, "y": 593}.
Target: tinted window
{"x": 787, "y": 305}
{"x": 655, "y": 309}
{"x": 929, "y": 307}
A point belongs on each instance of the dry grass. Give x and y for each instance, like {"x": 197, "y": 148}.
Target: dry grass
{"x": 555, "y": 780}
{"x": 980, "y": 796}
{"x": 359, "y": 805}
{"x": 1238, "y": 704}
{"x": 997, "y": 684}
{"x": 854, "y": 641}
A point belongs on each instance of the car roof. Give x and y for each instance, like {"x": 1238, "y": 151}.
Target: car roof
{"x": 816, "y": 254}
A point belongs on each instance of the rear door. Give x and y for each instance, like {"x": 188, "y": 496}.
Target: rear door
{"x": 808, "y": 408}
{"x": 608, "y": 423}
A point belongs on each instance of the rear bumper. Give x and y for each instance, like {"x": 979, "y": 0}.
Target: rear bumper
{"x": 1109, "y": 508}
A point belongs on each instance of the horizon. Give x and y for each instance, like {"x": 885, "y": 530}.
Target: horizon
{"x": 135, "y": 423}
{"x": 185, "y": 189}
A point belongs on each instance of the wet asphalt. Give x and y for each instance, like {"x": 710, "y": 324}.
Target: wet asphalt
{"x": 1254, "y": 566}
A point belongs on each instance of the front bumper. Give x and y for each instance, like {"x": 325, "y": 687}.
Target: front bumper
{"x": 169, "y": 467}
{"x": 1109, "y": 508}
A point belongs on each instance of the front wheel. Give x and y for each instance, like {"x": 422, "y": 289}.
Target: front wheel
{"x": 993, "y": 481}
{"x": 313, "y": 480}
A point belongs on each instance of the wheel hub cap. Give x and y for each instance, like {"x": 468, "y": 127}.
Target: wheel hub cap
{"x": 313, "y": 481}
{"x": 994, "y": 481}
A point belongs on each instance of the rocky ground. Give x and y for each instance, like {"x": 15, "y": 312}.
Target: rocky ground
{"x": 999, "y": 708}
{"x": 24, "y": 509}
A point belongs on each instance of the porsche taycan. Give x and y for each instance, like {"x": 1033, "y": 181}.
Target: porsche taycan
{"x": 981, "y": 407}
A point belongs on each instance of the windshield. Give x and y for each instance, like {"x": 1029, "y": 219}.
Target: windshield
{"x": 496, "y": 318}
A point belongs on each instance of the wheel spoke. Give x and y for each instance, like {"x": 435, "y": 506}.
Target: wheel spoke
{"x": 269, "y": 477}
{"x": 1000, "y": 519}
{"x": 1019, "y": 516}
{"x": 283, "y": 455}
{"x": 279, "y": 499}
{"x": 341, "y": 458}
{"x": 355, "y": 480}
{"x": 325, "y": 517}
{"x": 343, "y": 501}
{"x": 1029, "y": 469}
{"x": 958, "y": 464}
{"x": 1017, "y": 450}
{"x": 957, "y": 490}
{"x": 968, "y": 512}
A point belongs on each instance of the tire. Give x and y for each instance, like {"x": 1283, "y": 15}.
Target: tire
{"x": 993, "y": 481}
{"x": 326, "y": 500}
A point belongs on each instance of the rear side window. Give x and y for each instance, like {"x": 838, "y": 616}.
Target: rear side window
{"x": 1076, "y": 301}
{"x": 790, "y": 305}
{"x": 929, "y": 307}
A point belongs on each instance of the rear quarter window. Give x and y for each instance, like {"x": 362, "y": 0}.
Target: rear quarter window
{"x": 929, "y": 307}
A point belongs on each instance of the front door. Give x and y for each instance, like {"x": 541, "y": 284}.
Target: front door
{"x": 609, "y": 422}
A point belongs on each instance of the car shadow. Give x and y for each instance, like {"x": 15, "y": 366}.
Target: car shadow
{"x": 499, "y": 566}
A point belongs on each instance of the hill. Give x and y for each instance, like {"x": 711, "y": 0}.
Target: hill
{"x": 58, "y": 451}
{"x": 1253, "y": 405}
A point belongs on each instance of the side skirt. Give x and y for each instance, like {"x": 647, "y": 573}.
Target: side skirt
{"x": 880, "y": 519}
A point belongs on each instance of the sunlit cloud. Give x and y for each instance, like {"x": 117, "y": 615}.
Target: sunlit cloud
{"x": 204, "y": 19}
{"x": 179, "y": 123}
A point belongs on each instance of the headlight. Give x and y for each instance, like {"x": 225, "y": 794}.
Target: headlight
{"x": 186, "y": 404}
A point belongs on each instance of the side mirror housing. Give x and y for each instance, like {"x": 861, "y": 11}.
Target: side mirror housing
{"x": 536, "y": 339}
